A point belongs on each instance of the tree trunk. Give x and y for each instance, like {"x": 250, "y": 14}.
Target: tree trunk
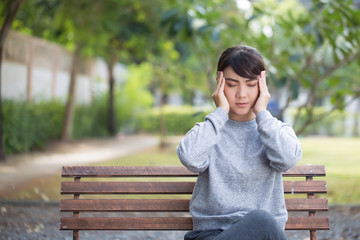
{"x": 2, "y": 147}
{"x": 69, "y": 111}
{"x": 163, "y": 128}
{"x": 112, "y": 117}
{"x": 11, "y": 9}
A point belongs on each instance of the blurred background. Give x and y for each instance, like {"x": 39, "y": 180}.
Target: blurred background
{"x": 74, "y": 71}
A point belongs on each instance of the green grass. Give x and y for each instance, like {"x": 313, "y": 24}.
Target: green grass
{"x": 341, "y": 156}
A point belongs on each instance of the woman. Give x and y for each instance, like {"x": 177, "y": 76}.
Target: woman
{"x": 239, "y": 151}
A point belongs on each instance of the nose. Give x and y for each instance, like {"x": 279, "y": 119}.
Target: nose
{"x": 241, "y": 92}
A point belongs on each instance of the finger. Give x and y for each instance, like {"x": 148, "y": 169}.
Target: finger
{"x": 222, "y": 86}
{"x": 218, "y": 80}
{"x": 260, "y": 83}
{"x": 263, "y": 77}
{"x": 263, "y": 81}
{"x": 263, "y": 74}
{"x": 221, "y": 81}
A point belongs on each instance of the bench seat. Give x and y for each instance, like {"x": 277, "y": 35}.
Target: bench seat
{"x": 132, "y": 189}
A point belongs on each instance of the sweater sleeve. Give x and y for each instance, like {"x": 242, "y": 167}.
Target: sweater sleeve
{"x": 193, "y": 148}
{"x": 282, "y": 145}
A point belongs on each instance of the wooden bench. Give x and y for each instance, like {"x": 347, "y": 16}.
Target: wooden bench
{"x": 172, "y": 186}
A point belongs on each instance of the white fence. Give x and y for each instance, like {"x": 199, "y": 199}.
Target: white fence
{"x": 34, "y": 69}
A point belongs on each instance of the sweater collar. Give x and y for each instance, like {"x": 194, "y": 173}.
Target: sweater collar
{"x": 233, "y": 123}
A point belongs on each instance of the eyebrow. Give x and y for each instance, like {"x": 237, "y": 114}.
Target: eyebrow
{"x": 234, "y": 80}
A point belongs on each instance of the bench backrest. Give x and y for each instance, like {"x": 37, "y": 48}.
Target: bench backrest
{"x": 172, "y": 187}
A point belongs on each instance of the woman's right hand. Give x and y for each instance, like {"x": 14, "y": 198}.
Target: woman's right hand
{"x": 218, "y": 95}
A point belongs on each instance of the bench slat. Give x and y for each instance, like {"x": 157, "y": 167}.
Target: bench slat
{"x": 171, "y": 223}
{"x": 305, "y": 170}
{"x": 170, "y": 187}
{"x": 167, "y": 171}
{"x": 167, "y": 205}
{"x": 304, "y": 204}
{"x": 127, "y": 187}
{"x": 162, "y": 223}
{"x": 124, "y": 205}
{"x": 126, "y": 171}
{"x": 308, "y": 223}
{"x": 305, "y": 187}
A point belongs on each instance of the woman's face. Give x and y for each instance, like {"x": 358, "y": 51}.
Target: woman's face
{"x": 241, "y": 94}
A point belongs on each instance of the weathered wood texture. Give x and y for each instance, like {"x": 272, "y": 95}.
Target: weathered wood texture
{"x": 171, "y": 223}
{"x": 166, "y": 171}
{"x": 169, "y": 187}
{"x": 167, "y": 205}
{"x": 165, "y": 187}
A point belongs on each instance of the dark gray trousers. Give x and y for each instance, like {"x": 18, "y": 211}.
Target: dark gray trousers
{"x": 256, "y": 225}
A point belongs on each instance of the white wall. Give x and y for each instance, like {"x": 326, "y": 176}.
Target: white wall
{"x": 50, "y": 67}
{"x": 13, "y": 83}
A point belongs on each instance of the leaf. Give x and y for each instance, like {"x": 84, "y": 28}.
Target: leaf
{"x": 169, "y": 15}
{"x": 308, "y": 28}
{"x": 295, "y": 57}
{"x": 319, "y": 40}
{"x": 204, "y": 28}
{"x": 279, "y": 82}
{"x": 333, "y": 82}
{"x": 189, "y": 27}
{"x": 294, "y": 86}
{"x": 215, "y": 36}
{"x": 258, "y": 10}
{"x": 179, "y": 24}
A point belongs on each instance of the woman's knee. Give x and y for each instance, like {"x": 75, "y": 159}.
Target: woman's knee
{"x": 262, "y": 218}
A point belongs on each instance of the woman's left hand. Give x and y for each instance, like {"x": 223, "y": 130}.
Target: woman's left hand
{"x": 264, "y": 95}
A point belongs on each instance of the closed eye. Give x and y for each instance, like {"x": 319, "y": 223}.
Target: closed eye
{"x": 252, "y": 85}
{"x": 231, "y": 85}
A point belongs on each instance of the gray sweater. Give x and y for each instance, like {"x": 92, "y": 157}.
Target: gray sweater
{"x": 239, "y": 166}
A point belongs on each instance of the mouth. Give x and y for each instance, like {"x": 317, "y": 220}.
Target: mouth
{"x": 241, "y": 104}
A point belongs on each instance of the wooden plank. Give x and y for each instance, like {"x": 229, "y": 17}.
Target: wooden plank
{"x": 305, "y": 187}
{"x": 127, "y": 187}
{"x": 126, "y": 171}
{"x": 168, "y": 205}
{"x": 304, "y": 204}
{"x": 305, "y": 170}
{"x": 167, "y": 171}
{"x": 308, "y": 223}
{"x": 165, "y": 223}
{"x": 171, "y": 223}
{"x": 170, "y": 187}
{"x": 124, "y": 205}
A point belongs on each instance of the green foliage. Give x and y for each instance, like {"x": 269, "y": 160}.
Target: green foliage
{"x": 133, "y": 96}
{"x": 313, "y": 48}
{"x": 91, "y": 120}
{"x": 179, "y": 120}
{"x": 333, "y": 125}
{"x": 30, "y": 125}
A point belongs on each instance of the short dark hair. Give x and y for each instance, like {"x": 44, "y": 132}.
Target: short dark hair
{"x": 246, "y": 61}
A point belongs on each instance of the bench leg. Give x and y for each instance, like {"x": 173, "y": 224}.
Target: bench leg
{"x": 313, "y": 235}
{"x": 76, "y": 234}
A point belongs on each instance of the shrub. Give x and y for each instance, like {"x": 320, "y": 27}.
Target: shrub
{"x": 179, "y": 120}
{"x": 91, "y": 120}
{"x": 30, "y": 125}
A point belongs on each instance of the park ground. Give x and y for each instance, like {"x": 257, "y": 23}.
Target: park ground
{"x": 29, "y": 184}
